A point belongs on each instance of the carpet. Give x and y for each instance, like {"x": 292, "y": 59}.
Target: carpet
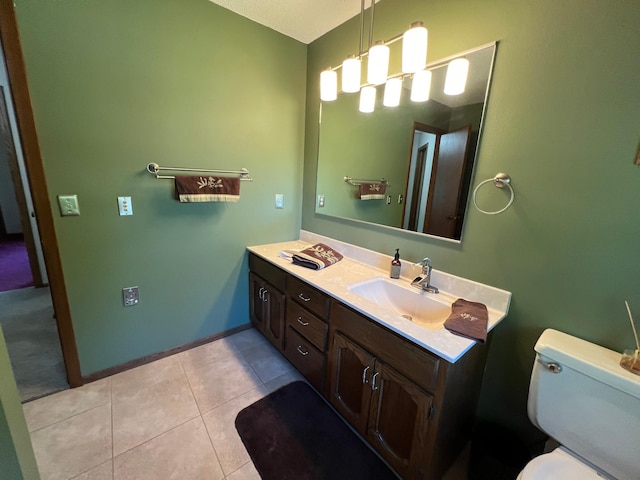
{"x": 31, "y": 335}
{"x": 293, "y": 434}
{"x": 15, "y": 270}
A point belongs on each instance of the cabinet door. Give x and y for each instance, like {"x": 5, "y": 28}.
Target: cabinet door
{"x": 398, "y": 420}
{"x": 351, "y": 371}
{"x": 274, "y": 315}
{"x": 256, "y": 301}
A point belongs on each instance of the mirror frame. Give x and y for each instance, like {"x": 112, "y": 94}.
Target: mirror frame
{"x": 468, "y": 201}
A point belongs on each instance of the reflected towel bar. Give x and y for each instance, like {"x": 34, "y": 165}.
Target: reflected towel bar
{"x": 360, "y": 181}
{"x": 154, "y": 169}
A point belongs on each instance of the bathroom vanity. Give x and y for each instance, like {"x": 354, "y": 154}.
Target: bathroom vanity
{"x": 410, "y": 391}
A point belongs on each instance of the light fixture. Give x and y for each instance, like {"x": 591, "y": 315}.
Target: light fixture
{"x": 378, "y": 64}
{"x": 456, "y": 79}
{"x": 392, "y": 92}
{"x": 328, "y": 85}
{"x": 367, "y": 99}
{"x": 414, "y": 48}
{"x": 351, "y": 68}
{"x": 421, "y": 86}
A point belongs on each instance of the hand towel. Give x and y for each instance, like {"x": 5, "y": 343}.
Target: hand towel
{"x": 193, "y": 188}
{"x": 316, "y": 257}
{"x": 468, "y": 319}
{"x": 372, "y": 191}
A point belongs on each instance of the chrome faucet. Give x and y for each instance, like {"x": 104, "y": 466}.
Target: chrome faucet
{"x": 423, "y": 281}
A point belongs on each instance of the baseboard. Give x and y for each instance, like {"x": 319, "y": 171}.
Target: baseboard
{"x": 107, "y": 372}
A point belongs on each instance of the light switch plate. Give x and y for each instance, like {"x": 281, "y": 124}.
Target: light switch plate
{"x": 279, "y": 200}
{"x": 68, "y": 205}
{"x": 320, "y": 201}
{"x": 125, "y": 207}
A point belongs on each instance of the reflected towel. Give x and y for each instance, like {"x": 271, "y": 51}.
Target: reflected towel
{"x": 316, "y": 257}
{"x": 372, "y": 191}
{"x": 193, "y": 188}
{"x": 468, "y": 319}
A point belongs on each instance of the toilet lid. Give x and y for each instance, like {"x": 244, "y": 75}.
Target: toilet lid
{"x": 558, "y": 465}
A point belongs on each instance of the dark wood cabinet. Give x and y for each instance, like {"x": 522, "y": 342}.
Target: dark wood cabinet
{"x": 414, "y": 408}
{"x": 390, "y": 411}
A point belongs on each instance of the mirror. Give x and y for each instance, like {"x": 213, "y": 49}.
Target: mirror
{"x": 410, "y": 166}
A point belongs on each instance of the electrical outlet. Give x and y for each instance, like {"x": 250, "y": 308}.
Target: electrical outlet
{"x": 279, "y": 200}
{"x": 130, "y": 296}
{"x": 388, "y": 199}
{"x": 320, "y": 201}
{"x": 68, "y": 205}
{"x": 125, "y": 207}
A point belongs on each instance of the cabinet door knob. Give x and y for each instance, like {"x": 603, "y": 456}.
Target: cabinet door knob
{"x": 302, "y": 322}
{"x": 373, "y": 381}
{"x": 364, "y": 374}
{"x": 302, "y": 352}
{"x": 302, "y": 297}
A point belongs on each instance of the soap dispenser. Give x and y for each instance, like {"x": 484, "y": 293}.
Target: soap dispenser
{"x": 395, "y": 265}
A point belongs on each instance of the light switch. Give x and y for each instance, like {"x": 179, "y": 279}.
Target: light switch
{"x": 320, "y": 201}
{"x": 68, "y": 205}
{"x": 279, "y": 200}
{"x": 125, "y": 207}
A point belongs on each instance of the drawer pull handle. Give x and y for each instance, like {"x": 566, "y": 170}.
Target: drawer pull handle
{"x": 302, "y": 322}
{"x": 373, "y": 381}
{"x": 265, "y": 294}
{"x": 304, "y": 353}
{"x": 260, "y": 293}
{"x": 364, "y": 374}
{"x": 303, "y": 298}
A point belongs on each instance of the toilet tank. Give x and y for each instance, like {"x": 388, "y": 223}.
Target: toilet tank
{"x": 581, "y": 396}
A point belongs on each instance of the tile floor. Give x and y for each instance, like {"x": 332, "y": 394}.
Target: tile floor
{"x": 170, "y": 419}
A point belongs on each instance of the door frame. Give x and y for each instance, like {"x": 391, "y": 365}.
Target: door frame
{"x": 37, "y": 184}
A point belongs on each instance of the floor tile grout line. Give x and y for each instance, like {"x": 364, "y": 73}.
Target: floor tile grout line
{"x": 31, "y": 432}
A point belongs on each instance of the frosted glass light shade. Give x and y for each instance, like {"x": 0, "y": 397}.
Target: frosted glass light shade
{"x": 421, "y": 86}
{"x": 414, "y": 48}
{"x": 328, "y": 85}
{"x": 456, "y": 79}
{"x": 367, "y": 99}
{"x": 392, "y": 92}
{"x": 351, "y": 68}
{"x": 378, "y": 64}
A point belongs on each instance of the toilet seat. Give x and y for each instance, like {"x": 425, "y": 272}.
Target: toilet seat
{"x": 560, "y": 465}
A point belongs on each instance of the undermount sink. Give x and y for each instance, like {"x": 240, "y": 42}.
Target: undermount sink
{"x": 421, "y": 307}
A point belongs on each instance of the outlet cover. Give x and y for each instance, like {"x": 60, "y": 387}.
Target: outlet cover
{"x": 320, "y": 201}
{"x": 68, "y": 205}
{"x": 130, "y": 296}
{"x": 279, "y": 200}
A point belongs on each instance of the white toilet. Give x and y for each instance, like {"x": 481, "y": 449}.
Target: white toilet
{"x": 581, "y": 397}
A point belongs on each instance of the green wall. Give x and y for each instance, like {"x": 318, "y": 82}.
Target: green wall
{"x": 117, "y": 84}
{"x": 17, "y": 461}
{"x": 563, "y": 121}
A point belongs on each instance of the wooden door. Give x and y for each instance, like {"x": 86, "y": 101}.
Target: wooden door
{"x": 398, "y": 421}
{"x": 446, "y": 184}
{"x": 351, "y": 372}
{"x": 274, "y": 315}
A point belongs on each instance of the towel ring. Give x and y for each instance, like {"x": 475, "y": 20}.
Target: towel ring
{"x": 501, "y": 180}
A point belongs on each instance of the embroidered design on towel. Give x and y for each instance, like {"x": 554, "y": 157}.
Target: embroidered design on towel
{"x": 192, "y": 188}
{"x": 316, "y": 257}
{"x": 468, "y": 319}
{"x": 372, "y": 191}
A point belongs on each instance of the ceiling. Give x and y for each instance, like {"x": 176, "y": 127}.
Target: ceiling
{"x": 304, "y": 20}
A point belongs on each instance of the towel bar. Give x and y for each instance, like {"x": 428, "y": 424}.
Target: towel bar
{"x": 154, "y": 169}
{"x": 359, "y": 181}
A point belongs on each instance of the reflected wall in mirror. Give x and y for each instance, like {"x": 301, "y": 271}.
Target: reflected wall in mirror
{"x": 425, "y": 152}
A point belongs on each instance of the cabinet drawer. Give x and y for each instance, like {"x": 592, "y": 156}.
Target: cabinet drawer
{"x": 268, "y": 271}
{"x": 306, "y": 358}
{"x": 313, "y": 300}
{"x": 308, "y": 325}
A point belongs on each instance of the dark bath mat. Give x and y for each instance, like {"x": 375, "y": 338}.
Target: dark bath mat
{"x": 293, "y": 434}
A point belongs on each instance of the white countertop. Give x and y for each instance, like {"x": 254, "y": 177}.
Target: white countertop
{"x": 360, "y": 264}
